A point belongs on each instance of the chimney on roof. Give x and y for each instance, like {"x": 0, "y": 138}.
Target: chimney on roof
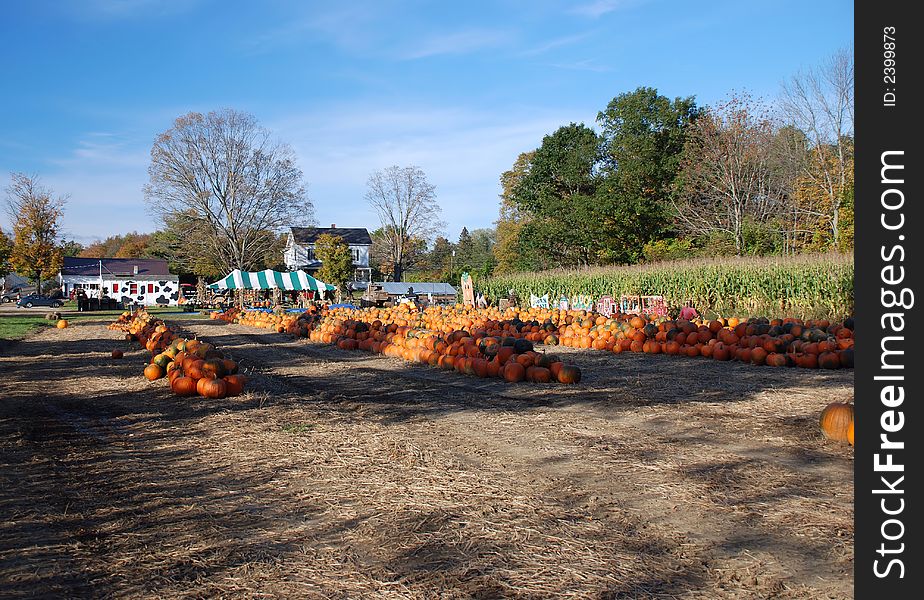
{"x": 333, "y": 226}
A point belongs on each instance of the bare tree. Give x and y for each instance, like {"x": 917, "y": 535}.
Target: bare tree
{"x": 406, "y": 204}
{"x": 234, "y": 186}
{"x": 729, "y": 175}
{"x": 819, "y": 102}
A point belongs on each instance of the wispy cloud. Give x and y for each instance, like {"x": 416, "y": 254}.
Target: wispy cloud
{"x": 583, "y": 65}
{"x": 460, "y": 42}
{"x": 598, "y": 8}
{"x": 556, "y": 43}
{"x": 345, "y": 27}
{"x": 462, "y": 151}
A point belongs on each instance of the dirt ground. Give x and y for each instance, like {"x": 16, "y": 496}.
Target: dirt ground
{"x": 350, "y": 475}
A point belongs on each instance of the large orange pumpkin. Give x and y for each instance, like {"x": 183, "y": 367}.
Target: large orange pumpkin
{"x": 569, "y": 374}
{"x": 62, "y": 324}
{"x": 183, "y": 386}
{"x": 152, "y": 372}
{"x": 212, "y": 388}
{"x": 836, "y": 419}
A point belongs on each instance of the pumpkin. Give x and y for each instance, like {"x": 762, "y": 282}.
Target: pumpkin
{"x": 569, "y": 374}
{"x": 514, "y": 372}
{"x": 835, "y": 420}
{"x": 541, "y": 375}
{"x": 152, "y": 372}
{"x": 212, "y": 388}
{"x": 235, "y": 384}
{"x": 829, "y": 360}
{"x": 850, "y": 433}
{"x": 117, "y": 354}
{"x": 183, "y": 386}
{"x": 62, "y": 324}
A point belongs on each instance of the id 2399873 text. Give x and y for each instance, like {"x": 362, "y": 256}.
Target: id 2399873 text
{"x": 888, "y": 66}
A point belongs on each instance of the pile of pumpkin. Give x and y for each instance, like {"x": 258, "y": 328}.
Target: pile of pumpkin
{"x": 759, "y": 341}
{"x": 194, "y": 367}
{"x": 836, "y": 422}
{"x": 190, "y": 366}
{"x": 476, "y": 354}
{"x": 153, "y": 333}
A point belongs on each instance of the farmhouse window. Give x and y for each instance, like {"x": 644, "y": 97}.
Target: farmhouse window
{"x": 355, "y": 253}
{"x": 133, "y": 288}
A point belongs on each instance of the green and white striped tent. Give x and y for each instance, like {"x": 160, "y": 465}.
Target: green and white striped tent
{"x": 269, "y": 279}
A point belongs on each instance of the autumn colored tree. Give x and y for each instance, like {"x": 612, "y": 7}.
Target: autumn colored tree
{"x": 511, "y": 219}
{"x": 820, "y": 103}
{"x": 6, "y": 248}
{"x": 36, "y": 214}
{"x": 728, "y": 178}
{"x": 336, "y": 260}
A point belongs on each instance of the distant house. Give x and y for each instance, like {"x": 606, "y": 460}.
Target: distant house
{"x": 131, "y": 280}
{"x": 299, "y": 252}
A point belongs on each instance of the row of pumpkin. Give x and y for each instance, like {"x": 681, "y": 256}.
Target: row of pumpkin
{"x": 508, "y": 358}
{"x": 757, "y": 341}
{"x": 190, "y": 366}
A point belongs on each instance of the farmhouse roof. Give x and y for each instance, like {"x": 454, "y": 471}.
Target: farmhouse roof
{"x": 119, "y": 267}
{"x": 353, "y": 236}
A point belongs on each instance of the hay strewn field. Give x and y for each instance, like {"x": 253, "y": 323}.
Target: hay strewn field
{"x": 345, "y": 475}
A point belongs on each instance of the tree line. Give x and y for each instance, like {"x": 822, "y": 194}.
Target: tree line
{"x": 665, "y": 178}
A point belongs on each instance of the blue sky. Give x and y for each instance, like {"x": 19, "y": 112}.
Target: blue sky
{"x": 458, "y": 89}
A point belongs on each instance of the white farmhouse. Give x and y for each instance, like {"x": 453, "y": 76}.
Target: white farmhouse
{"x": 299, "y": 252}
{"x": 128, "y": 280}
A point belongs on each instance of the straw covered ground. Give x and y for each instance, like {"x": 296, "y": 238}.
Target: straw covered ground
{"x": 351, "y": 475}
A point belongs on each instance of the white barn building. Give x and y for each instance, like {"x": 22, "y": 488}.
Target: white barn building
{"x": 130, "y": 280}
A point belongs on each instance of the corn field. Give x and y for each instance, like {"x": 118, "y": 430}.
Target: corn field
{"x": 806, "y": 286}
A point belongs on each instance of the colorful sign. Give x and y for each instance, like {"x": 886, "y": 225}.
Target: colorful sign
{"x": 539, "y": 301}
{"x": 468, "y": 290}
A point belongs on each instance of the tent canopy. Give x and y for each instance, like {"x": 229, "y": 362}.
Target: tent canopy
{"x": 269, "y": 279}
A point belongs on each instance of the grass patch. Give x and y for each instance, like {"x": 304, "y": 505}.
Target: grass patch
{"x": 297, "y": 428}
{"x": 17, "y": 327}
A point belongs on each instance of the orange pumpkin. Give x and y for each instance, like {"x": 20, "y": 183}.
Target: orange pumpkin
{"x": 153, "y": 372}
{"x": 569, "y": 374}
{"x": 836, "y": 419}
{"x": 183, "y": 386}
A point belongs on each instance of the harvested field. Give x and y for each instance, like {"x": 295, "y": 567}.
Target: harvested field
{"x": 352, "y": 475}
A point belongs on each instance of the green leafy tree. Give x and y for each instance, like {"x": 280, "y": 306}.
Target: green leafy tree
{"x": 464, "y": 249}
{"x": 71, "y": 248}
{"x": 336, "y": 260}
{"x": 36, "y": 216}
{"x": 642, "y": 140}
{"x": 182, "y": 246}
{"x": 559, "y": 193}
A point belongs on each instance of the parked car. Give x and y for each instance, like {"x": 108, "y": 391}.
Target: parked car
{"x": 38, "y": 300}
{"x": 7, "y": 297}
